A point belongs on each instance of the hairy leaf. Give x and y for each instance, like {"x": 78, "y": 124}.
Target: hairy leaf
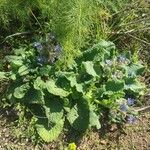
{"x": 78, "y": 117}
{"x": 16, "y": 60}
{"x": 34, "y": 96}
{"x": 94, "y": 119}
{"x": 89, "y": 67}
{"x": 3, "y": 75}
{"x": 53, "y": 89}
{"x": 20, "y": 91}
{"x": 48, "y": 134}
{"x": 23, "y": 70}
{"x": 114, "y": 85}
{"x": 39, "y": 84}
{"x": 53, "y": 110}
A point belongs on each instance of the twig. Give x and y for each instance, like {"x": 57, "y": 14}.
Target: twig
{"x": 141, "y": 40}
{"x": 142, "y": 109}
{"x": 16, "y": 34}
{"x": 36, "y": 20}
{"x": 129, "y": 31}
{"x": 134, "y": 22}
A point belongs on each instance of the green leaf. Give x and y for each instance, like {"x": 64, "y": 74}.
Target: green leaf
{"x": 53, "y": 89}
{"x": 19, "y": 51}
{"x": 39, "y": 84}
{"x": 16, "y": 60}
{"x": 73, "y": 83}
{"x": 23, "y": 70}
{"x": 48, "y": 134}
{"x": 45, "y": 70}
{"x": 34, "y": 96}
{"x": 94, "y": 118}
{"x": 78, "y": 117}
{"x": 20, "y": 91}
{"x": 114, "y": 85}
{"x": 134, "y": 85}
{"x": 54, "y": 110}
{"x": 106, "y": 44}
{"x": 3, "y": 75}
{"x": 89, "y": 67}
{"x": 134, "y": 69}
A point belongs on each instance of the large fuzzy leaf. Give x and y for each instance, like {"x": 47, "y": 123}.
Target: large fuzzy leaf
{"x": 53, "y": 89}
{"x": 45, "y": 70}
{"x": 53, "y": 110}
{"x": 78, "y": 117}
{"x": 134, "y": 85}
{"x": 34, "y": 96}
{"x": 23, "y": 70}
{"x": 39, "y": 84}
{"x": 114, "y": 85}
{"x": 48, "y": 134}
{"x": 94, "y": 119}
{"x": 89, "y": 67}
{"x": 15, "y": 60}
{"x": 20, "y": 91}
{"x": 73, "y": 83}
{"x": 3, "y": 75}
{"x": 134, "y": 69}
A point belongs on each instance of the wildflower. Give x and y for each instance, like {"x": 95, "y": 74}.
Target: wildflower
{"x": 122, "y": 59}
{"x": 109, "y": 62}
{"x": 57, "y": 50}
{"x": 52, "y": 36}
{"x": 131, "y": 119}
{"x": 130, "y": 101}
{"x": 123, "y": 107}
{"x": 38, "y": 46}
{"x": 41, "y": 60}
{"x": 117, "y": 74}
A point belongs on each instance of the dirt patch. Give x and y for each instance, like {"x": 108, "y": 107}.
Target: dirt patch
{"x": 131, "y": 137}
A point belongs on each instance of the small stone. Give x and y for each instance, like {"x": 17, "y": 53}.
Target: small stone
{"x": 103, "y": 142}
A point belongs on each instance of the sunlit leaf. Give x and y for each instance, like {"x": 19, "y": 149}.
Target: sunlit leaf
{"x": 19, "y": 92}
{"x": 49, "y": 132}
{"x": 89, "y": 67}
{"x": 53, "y": 89}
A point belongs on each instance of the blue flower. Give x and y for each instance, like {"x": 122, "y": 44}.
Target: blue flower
{"x": 38, "y": 46}
{"x": 131, "y": 119}
{"x": 123, "y": 107}
{"x": 108, "y": 62}
{"x": 130, "y": 101}
{"x": 122, "y": 59}
{"x": 52, "y": 36}
{"x": 41, "y": 60}
{"x": 57, "y": 48}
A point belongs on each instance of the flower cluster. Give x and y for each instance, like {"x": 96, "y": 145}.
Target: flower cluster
{"x": 41, "y": 60}
{"x": 49, "y": 51}
{"x": 124, "y": 107}
{"x": 123, "y": 59}
{"x": 38, "y": 46}
{"x": 130, "y": 101}
{"x": 131, "y": 119}
{"x": 109, "y": 62}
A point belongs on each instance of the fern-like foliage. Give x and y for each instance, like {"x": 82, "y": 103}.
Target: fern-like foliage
{"x": 75, "y": 22}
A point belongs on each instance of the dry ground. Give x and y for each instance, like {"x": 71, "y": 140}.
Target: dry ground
{"x": 131, "y": 137}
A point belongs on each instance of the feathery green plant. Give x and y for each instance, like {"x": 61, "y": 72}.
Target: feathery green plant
{"x": 79, "y": 23}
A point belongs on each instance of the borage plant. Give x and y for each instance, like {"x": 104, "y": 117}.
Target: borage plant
{"x": 100, "y": 79}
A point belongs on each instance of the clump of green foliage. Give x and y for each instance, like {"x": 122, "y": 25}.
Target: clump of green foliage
{"x": 99, "y": 79}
